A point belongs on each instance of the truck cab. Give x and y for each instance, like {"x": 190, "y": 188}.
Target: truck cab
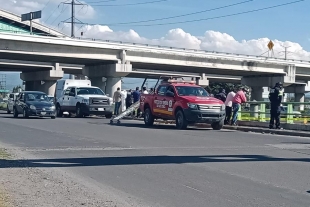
{"x": 182, "y": 101}
{"x": 79, "y": 97}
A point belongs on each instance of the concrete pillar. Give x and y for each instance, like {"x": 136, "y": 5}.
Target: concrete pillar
{"x": 257, "y": 93}
{"x": 44, "y": 81}
{"x": 112, "y": 84}
{"x": 47, "y": 87}
{"x": 98, "y": 82}
{"x": 299, "y": 97}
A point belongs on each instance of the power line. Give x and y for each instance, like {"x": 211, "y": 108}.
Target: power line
{"x": 60, "y": 14}
{"x": 217, "y": 17}
{"x": 93, "y": 2}
{"x": 182, "y": 15}
{"x": 132, "y": 4}
{"x": 46, "y": 5}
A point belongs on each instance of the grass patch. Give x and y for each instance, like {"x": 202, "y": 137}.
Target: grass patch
{"x": 4, "y": 199}
{"x": 4, "y": 155}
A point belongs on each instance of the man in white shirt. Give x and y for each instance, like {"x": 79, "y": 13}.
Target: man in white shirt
{"x": 228, "y": 104}
{"x": 144, "y": 91}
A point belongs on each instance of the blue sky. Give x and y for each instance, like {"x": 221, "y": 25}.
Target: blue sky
{"x": 283, "y": 23}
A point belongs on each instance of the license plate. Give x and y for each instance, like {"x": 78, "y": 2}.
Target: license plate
{"x": 100, "y": 109}
{"x": 43, "y": 113}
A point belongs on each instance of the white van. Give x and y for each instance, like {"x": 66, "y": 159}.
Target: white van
{"x": 63, "y": 84}
{"x": 79, "y": 97}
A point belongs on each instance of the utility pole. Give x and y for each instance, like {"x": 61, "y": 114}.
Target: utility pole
{"x": 72, "y": 18}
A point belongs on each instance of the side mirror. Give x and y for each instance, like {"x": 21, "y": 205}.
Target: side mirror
{"x": 107, "y": 94}
{"x": 170, "y": 94}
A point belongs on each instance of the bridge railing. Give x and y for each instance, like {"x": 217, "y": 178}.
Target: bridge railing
{"x": 260, "y": 111}
{"x": 162, "y": 46}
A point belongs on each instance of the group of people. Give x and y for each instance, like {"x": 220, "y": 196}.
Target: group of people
{"x": 234, "y": 99}
{"x": 132, "y": 96}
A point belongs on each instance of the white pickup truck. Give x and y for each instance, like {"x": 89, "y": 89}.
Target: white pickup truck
{"x": 84, "y": 101}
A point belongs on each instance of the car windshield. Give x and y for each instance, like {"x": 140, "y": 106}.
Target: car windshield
{"x": 85, "y": 91}
{"x": 36, "y": 97}
{"x": 191, "y": 91}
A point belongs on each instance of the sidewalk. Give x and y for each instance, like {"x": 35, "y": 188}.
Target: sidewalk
{"x": 261, "y": 127}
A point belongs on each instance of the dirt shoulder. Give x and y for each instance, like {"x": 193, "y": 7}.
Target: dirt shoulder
{"x": 21, "y": 185}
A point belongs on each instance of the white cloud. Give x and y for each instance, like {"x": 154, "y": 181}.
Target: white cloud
{"x": 210, "y": 41}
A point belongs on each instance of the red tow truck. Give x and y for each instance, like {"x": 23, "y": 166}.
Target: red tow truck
{"x": 182, "y": 101}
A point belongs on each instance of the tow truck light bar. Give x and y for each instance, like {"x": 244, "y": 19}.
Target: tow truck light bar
{"x": 181, "y": 81}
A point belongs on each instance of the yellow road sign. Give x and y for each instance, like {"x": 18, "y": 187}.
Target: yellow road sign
{"x": 270, "y": 45}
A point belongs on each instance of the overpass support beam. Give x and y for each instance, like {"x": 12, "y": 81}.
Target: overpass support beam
{"x": 299, "y": 91}
{"x": 44, "y": 81}
{"x": 299, "y": 97}
{"x": 107, "y": 77}
{"x": 257, "y": 93}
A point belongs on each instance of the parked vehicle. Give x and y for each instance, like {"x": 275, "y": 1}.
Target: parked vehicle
{"x": 184, "y": 102}
{"x": 82, "y": 99}
{"x": 33, "y": 103}
{"x": 10, "y": 102}
{"x": 296, "y": 114}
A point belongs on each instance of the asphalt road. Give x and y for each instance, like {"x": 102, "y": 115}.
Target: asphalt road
{"x": 162, "y": 166}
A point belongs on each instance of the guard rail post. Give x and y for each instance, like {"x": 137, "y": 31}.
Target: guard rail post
{"x": 239, "y": 114}
{"x": 289, "y": 116}
{"x": 262, "y": 115}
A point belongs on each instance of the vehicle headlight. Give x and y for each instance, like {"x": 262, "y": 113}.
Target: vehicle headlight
{"x": 223, "y": 107}
{"x": 32, "y": 107}
{"x": 192, "y": 106}
{"x": 52, "y": 107}
{"x": 85, "y": 101}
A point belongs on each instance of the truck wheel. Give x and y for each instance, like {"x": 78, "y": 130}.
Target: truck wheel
{"x": 79, "y": 112}
{"x": 148, "y": 117}
{"x": 180, "y": 120}
{"x": 59, "y": 111}
{"x": 15, "y": 113}
{"x": 217, "y": 125}
{"x": 109, "y": 116}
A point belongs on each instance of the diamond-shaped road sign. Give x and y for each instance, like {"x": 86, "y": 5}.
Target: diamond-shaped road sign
{"x": 270, "y": 45}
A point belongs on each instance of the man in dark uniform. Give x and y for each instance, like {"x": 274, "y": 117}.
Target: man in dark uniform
{"x": 275, "y": 97}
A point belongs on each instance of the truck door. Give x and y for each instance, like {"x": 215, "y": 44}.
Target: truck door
{"x": 170, "y": 100}
{"x": 160, "y": 104}
{"x": 64, "y": 99}
{"x": 72, "y": 99}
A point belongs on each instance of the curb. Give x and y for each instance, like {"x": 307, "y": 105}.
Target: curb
{"x": 251, "y": 129}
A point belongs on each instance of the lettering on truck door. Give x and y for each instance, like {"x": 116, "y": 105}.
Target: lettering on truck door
{"x": 158, "y": 106}
{"x": 170, "y": 101}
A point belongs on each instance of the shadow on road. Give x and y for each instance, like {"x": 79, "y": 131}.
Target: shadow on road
{"x": 155, "y": 126}
{"x": 141, "y": 160}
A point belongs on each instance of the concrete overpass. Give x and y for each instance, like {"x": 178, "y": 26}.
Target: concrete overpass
{"x": 115, "y": 59}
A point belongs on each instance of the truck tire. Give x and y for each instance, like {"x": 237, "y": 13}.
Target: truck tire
{"x": 79, "y": 113}
{"x": 217, "y": 125}
{"x": 59, "y": 111}
{"x": 180, "y": 120}
{"x": 148, "y": 117}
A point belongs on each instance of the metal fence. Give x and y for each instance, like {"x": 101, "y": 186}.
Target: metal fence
{"x": 260, "y": 111}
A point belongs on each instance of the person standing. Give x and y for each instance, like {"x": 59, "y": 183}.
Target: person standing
{"x": 221, "y": 95}
{"x": 275, "y": 97}
{"x": 136, "y": 98}
{"x": 228, "y": 104}
{"x": 144, "y": 91}
{"x": 129, "y": 99}
{"x": 117, "y": 99}
{"x": 236, "y": 103}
